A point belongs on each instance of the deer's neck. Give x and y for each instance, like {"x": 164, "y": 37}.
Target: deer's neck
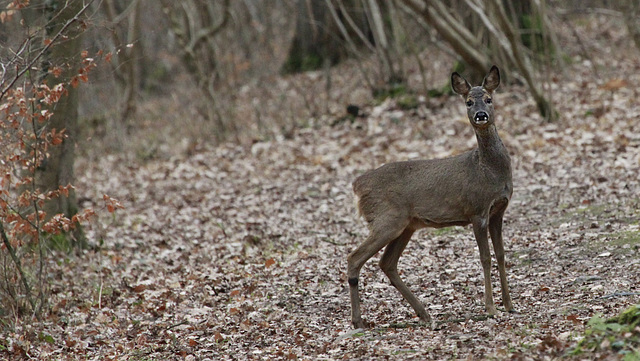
{"x": 490, "y": 148}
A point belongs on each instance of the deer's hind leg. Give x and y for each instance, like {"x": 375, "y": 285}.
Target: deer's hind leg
{"x": 389, "y": 264}
{"x": 382, "y": 233}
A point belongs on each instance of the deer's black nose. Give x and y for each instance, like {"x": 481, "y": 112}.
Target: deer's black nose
{"x": 481, "y": 117}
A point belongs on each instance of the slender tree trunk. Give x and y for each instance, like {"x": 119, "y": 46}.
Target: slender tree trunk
{"x": 459, "y": 38}
{"x": 125, "y": 35}
{"x": 522, "y": 63}
{"x": 196, "y": 24}
{"x": 633, "y": 23}
{"x": 318, "y": 38}
{"x": 57, "y": 168}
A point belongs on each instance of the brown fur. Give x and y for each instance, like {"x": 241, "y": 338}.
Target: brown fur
{"x": 471, "y": 188}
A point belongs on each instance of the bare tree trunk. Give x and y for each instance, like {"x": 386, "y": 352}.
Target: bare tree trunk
{"x": 57, "y": 168}
{"x": 508, "y": 43}
{"x": 317, "y": 39}
{"x": 522, "y": 62}
{"x": 331, "y": 30}
{"x": 196, "y": 24}
{"x": 633, "y": 21}
{"x": 380, "y": 36}
{"x": 461, "y": 40}
{"x": 126, "y": 66}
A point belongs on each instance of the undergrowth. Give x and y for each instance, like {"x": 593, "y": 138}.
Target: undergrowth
{"x": 620, "y": 334}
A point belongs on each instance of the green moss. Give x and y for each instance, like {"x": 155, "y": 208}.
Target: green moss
{"x": 447, "y": 231}
{"x": 621, "y": 242}
{"x": 619, "y": 334}
{"x": 408, "y": 101}
{"x": 441, "y": 91}
{"x": 393, "y": 90}
{"x": 595, "y": 209}
{"x": 532, "y": 36}
{"x": 629, "y": 317}
{"x": 459, "y": 67}
{"x": 631, "y": 238}
{"x": 301, "y": 63}
{"x": 60, "y": 242}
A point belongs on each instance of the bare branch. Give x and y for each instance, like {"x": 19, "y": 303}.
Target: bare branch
{"x": 16, "y": 261}
{"x": 350, "y": 42}
{"x": 522, "y": 62}
{"x": 353, "y": 25}
{"x": 204, "y": 34}
{"x": 454, "y": 33}
{"x": 45, "y": 49}
{"x": 123, "y": 15}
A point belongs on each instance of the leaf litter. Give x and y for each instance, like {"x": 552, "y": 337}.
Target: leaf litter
{"x": 239, "y": 252}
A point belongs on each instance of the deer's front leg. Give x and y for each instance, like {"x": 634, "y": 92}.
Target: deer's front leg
{"x": 495, "y": 230}
{"x": 480, "y": 232}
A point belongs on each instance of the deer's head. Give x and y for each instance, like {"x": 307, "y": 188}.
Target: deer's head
{"x": 478, "y": 98}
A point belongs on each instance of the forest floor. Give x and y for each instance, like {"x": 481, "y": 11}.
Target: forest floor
{"x": 239, "y": 251}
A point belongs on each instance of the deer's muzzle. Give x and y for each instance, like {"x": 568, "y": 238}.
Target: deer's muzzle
{"x": 481, "y": 118}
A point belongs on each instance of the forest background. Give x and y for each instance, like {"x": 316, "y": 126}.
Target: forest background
{"x": 176, "y": 177}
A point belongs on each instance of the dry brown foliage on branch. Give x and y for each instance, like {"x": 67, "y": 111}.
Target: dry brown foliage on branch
{"x": 31, "y": 93}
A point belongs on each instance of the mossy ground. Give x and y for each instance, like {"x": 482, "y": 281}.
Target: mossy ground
{"x": 620, "y": 334}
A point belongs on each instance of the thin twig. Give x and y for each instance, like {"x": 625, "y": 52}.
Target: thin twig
{"x": 204, "y": 34}
{"x": 351, "y": 45}
{"x": 331, "y": 241}
{"x": 354, "y": 26}
{"x": 100, "y": 293}
{"x": 619, "y": 294}
{"x": 177, "y": 324}
{"x": 16, "y": 261}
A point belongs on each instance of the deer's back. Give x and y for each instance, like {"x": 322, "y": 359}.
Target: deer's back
{"x": 437, "y": 192}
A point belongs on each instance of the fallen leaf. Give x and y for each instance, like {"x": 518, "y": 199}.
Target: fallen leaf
{"x": 573, "y": 318}
{"x": 270, "y": 262}
{"x": 217, "y": 337}
{"x": 614, "y": 84}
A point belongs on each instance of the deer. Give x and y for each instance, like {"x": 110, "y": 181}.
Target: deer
{"x": 474, "y": 188}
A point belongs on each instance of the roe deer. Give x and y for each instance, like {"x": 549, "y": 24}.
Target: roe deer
{"x": 472, "y": 188}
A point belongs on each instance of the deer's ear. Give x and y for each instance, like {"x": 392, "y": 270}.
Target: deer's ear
{"x": 492, "y": 80}
{"x": 459, "y": 84}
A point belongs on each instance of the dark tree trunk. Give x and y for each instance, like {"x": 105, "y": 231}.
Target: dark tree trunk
{"x": 57, "y": 168}
{"x": 317, "y": 39}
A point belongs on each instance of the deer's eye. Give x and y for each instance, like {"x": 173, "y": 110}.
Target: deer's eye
{"x": 469, "y": 103}
{"x": 488, "y": 101}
